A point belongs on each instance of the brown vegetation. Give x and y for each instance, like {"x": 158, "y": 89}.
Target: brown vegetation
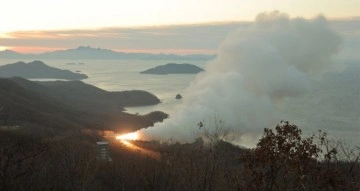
{"x": 282, "y": 160}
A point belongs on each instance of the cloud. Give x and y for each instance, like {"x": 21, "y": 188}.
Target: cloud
{"x": 256, "y": 69}
{"x": 197, "y": 38}
{"x": 203, "y": 37}
{"x": 183, "y": 39}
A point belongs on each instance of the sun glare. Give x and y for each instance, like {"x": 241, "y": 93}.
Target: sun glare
{"x": 3, "y": 48}
{"x": 129, "y": 136}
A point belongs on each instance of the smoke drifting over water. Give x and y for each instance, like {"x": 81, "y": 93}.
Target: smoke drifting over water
{"x": 254, "y": 71}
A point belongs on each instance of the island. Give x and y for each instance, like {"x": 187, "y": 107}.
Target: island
{"x": 38, "y": 69}
{"x": 56, "y": 107}
{"x": 173, "y": 68}
{"x": 72, "y": 63}
{"x": 178, "y": 96}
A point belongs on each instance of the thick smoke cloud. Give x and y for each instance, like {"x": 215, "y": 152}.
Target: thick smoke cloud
{"x": 254, "y": 71}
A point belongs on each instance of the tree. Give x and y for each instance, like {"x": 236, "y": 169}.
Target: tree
{"x": 19, "y": 160}
{"x": 284, "y": 160}
{"x": 214, "y": 133}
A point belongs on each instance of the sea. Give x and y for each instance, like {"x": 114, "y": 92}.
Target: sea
{"x": 331, "y": 105}
{"x": 122, "y": 75}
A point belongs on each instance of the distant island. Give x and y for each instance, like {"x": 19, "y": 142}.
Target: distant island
{"x": 72, "y": 63}
{"x": 38, "y": 69}
{"x": 173, "y": 68}
{"x": 87, "y": 52}
{"x": 178, "y": 96}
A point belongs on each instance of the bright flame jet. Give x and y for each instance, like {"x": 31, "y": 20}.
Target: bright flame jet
{"x": 130, "y": 136}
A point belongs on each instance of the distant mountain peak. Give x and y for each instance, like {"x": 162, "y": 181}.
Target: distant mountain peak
{"x": 9, "y": 51}
{"x": 37, "y": 63}
{"x": 20, "y": 63}
{"x": 86, "y": 48}
{"x": 88, "y": 52}
{"x": 89, "y": 48}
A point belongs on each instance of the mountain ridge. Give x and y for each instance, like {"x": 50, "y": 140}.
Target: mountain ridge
{"x": 88, "y": 52}
{"x": 47, "y": 107}
{"x": 38, "y": 69}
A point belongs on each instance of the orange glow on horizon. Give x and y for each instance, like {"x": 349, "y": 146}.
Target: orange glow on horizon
{"x": 3, "y": 48}
{"x": 32, "y": 49}
{"x": 130, "y": 136}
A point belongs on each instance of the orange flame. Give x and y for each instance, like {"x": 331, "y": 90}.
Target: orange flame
{"x": 130, "y": 136}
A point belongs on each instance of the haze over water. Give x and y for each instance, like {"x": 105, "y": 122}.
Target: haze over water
{"x": 332, "y": 104}
{"x": 271, "y": 64}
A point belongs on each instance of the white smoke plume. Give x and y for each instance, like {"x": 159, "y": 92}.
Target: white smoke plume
{"x": 254, "y": 70}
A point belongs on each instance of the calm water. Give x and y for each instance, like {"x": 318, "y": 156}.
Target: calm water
{"x": 333, "y": 104}
{"x": 120, "y": 75}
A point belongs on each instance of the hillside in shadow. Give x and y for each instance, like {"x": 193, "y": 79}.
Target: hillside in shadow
{"x": 59, "y": 106}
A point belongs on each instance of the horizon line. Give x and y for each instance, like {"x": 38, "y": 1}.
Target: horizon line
{"x": 126, "y": 51}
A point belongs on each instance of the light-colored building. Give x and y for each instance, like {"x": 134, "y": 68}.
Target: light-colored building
{"x": 103, "y": 151}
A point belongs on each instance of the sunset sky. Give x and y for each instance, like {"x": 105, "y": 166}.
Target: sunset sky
{"x": 50, "y": 22}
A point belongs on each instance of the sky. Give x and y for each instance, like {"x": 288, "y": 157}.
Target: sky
{"x": 24, "y": 21}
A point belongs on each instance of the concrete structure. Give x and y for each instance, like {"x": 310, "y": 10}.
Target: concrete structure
{"x": 103, "y": 151}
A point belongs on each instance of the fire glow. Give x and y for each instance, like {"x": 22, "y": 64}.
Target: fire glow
{"x": 127, "y": 139}
{"x": 130, "y": 136}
